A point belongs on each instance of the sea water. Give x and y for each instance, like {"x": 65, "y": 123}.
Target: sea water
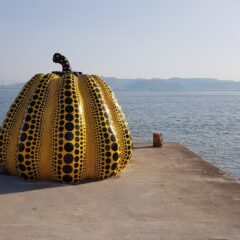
{"x": 206, "y": 122}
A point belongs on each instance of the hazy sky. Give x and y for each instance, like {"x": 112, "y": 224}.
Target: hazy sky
{"x": 121, "y": 38}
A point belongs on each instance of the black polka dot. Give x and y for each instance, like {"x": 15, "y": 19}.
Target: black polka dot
{"x": 21, "y": 147}
{"x": 67, "y": 169}
{"x": 115, "y": 156}
{"x": 30, "y": 110}
{"x": 108, "y": 160}
{"x": 114, "y": 147}
{"x": 106, "y": 135}
{"x": 114, "y": 166}
{"x": 107, "y": 147}
{"x": 68, "y": 94}
{"x": 107, "y": 167}
{"x": 32, "y": 103}
{"x": 23, "y": 137}
{"x": 35, "y": 97}
{"x": 69, "y": 109}
{"x": 25, "y": 127}
{"x": 68, "y": 147}
{"x": 28, "y": 118}
{"x": 68, "y": 158}
{"x": 20, "y": 158}
{"x": 69, "y": 117}
{"x": 28, "y": 150}
{"x": 108, "y": 154}
{"x": 30, "y": 138}
{"x": 69, "y": 126}
{"x": 67, "y": 178}
{"x": 69, "y": 136}
{"x": 61, "y": 129}
{"x": 68, "y": 100}
{"x": 21, "y": 167}
{"x": 113, "y": 138}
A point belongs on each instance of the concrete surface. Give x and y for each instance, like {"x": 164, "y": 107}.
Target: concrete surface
{"x": 165, "y": 193}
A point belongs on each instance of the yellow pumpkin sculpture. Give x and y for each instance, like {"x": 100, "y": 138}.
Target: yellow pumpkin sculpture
{"x": 65, "y": 126}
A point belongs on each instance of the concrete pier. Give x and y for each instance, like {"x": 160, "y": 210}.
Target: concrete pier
{"x": 165, "y": 193}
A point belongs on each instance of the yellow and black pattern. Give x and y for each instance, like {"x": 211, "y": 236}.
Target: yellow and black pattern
{"x": 121, "y": 123}
{"x": 108, "y": 149}
{"x": 69, "y": 140}
{"x": 30, "y": 135}
{"x": 10, "y": 119}
{"x": 65, "y": 126}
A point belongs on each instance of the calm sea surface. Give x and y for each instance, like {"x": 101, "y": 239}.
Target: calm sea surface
{"x": 206, "y": 122}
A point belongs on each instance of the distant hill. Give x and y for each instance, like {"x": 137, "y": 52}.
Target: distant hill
{"x": 157, "y": 84}
{"x": 173, "y": 84}
{"x": 12, "y": 86}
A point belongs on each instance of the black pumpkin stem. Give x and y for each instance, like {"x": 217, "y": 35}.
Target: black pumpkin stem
{"x": 58, "y": 58}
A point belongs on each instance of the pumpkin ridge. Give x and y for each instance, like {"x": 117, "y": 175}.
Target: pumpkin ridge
{"x": 91, "y": 138}
{"x": 30, "y": 135}
{"x": 10, "y": 123}
{"x": 81, "y": 120}
{"x": 120, "y": 122}
{"x": 45, "y": 165}
{"x": 107, "y": 158}
{"x": 69, "y": 157}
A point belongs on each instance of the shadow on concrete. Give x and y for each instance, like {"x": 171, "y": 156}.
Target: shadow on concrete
{"x": 14, "y": 184}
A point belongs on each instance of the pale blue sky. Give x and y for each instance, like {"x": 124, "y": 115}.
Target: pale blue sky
{"x": 121, "y": 38}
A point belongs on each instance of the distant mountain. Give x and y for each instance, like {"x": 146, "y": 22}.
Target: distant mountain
{"x": 173, "y": 84}
{"x": 12, "y": 86}
{"x": 157, "y": 84}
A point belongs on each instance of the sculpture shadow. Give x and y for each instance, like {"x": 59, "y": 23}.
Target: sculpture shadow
{"x": 14, "y": 184}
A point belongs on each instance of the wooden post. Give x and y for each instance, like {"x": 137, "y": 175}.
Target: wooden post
{"x": 157, "y": 139}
